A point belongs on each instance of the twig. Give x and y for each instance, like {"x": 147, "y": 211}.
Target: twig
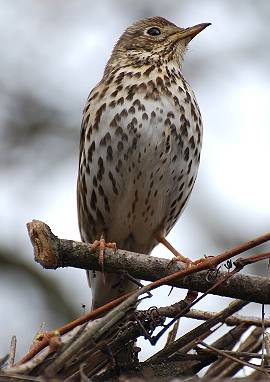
{"x": 172, "y": 310}
{"x": 224, "y": 354}
{"x": 224, "y": 368}
{"x": 236, "y": 354}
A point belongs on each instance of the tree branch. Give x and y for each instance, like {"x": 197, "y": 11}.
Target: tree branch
{"x": 52, "y": 252}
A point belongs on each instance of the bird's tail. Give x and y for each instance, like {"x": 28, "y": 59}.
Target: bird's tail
{"x": 106, "y": 287}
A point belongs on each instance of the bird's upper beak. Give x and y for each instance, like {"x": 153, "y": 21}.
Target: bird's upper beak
{"x": 191, "y": 32}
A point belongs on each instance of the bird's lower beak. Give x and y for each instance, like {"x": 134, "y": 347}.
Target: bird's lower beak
{"x": 191, "y": 32}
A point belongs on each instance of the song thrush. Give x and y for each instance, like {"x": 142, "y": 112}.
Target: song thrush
{"x": 140, "y": 146}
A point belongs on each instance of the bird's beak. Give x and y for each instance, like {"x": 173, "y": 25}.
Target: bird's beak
{"x": 191, "y": 32}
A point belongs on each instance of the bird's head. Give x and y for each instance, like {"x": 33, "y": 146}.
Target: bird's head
{"x": 153, "y": 41}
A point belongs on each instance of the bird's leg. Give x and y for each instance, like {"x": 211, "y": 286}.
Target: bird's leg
{"x": 177, "y": 254}
{"x": 102, "y": 245}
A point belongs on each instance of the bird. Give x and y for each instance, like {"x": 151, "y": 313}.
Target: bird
{"x": 140, "y": 145}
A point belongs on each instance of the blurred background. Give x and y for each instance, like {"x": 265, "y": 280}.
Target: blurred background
{"x": 52, "y": 54}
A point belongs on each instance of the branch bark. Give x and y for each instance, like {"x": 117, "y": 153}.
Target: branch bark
{"x": 52, "y": 252}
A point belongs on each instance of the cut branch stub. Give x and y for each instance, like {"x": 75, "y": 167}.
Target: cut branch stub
{"x": 45, "y": 244}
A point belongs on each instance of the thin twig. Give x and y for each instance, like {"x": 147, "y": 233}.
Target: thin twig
{"x": 224, "y": 354}
{"x": 172, "y": 310}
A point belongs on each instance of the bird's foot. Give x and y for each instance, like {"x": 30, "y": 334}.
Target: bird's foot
{"x": 185, "y": 260}
{"x": 102, "y": 245}
{"x": 190, "y": 263}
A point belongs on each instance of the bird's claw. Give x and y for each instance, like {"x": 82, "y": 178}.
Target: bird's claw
{"x": 102, "y": 245}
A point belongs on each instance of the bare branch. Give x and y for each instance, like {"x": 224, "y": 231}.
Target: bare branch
{"x": 52, "y": 252}
{"x": 172, "y": 310}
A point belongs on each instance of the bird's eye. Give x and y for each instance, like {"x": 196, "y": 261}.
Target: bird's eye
{"x": 154, "y": 31}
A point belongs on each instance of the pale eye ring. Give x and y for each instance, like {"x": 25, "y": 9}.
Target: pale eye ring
{"x": 153, "y": 31}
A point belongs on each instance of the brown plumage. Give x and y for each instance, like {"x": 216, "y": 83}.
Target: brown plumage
{"x": 140, "y": 145}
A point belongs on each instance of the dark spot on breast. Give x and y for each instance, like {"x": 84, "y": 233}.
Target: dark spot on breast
{"x": 112, "y": 103}
{"x": 167, "y": 122}
{"x": 134, "y": 121}
{"x": 113, "y": 181}
{"x": 134, "y": 144}
{"x": 120, "y": 146}
{"x": 192, "y": 142}
{"x": 89, "y": 133}
{"x": 106, "y": 203}
{"x": 187, "y": 98}
{"x": 93, "y": 200}
{"x": 186, "y": 154}
{"x": 119, "y": 165}
{"x": 184, "y": 130}
{"x": 153, "y": 114}
{"x": 170, "y": 114}
{"x": 160, "y": 82}
{"x": 149, "y": 70}
{"x": 98, "y": 116}
{"x": 120, "y": 101}
{"x": 198, "y": 131}
{"x": 93, "y": 96}
{"x": 91, "y": 151}
{"x": 137, "y": 103}
{"x": 105, "y": 139}
{"x": 131, "y": 110}
{"x": 181, "y": 186}
{"x": 173, "y": 203}
{"x": 124, "y": 113}
{"x": 142, "y": 87}
{"x": 109, "y": 153}
{"x": 145, "y": 116}
{"x": 101, "y": 169}
{"x": 113, "y": 122}
{"x": 100, "y": 190}
{"x": 180, "y": 177}
{"x": 119, "y": 131}
{"x": 168, "y": 144}
{"x": 189, "y": 166}
{"x": 180, "y": 196}
{"x": 190, "y": 182}
{"x": 134, "y": 201}
{"x": 176, "y": 101}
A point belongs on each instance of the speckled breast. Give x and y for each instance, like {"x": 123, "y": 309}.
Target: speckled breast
{"x": 140, "y": 155}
